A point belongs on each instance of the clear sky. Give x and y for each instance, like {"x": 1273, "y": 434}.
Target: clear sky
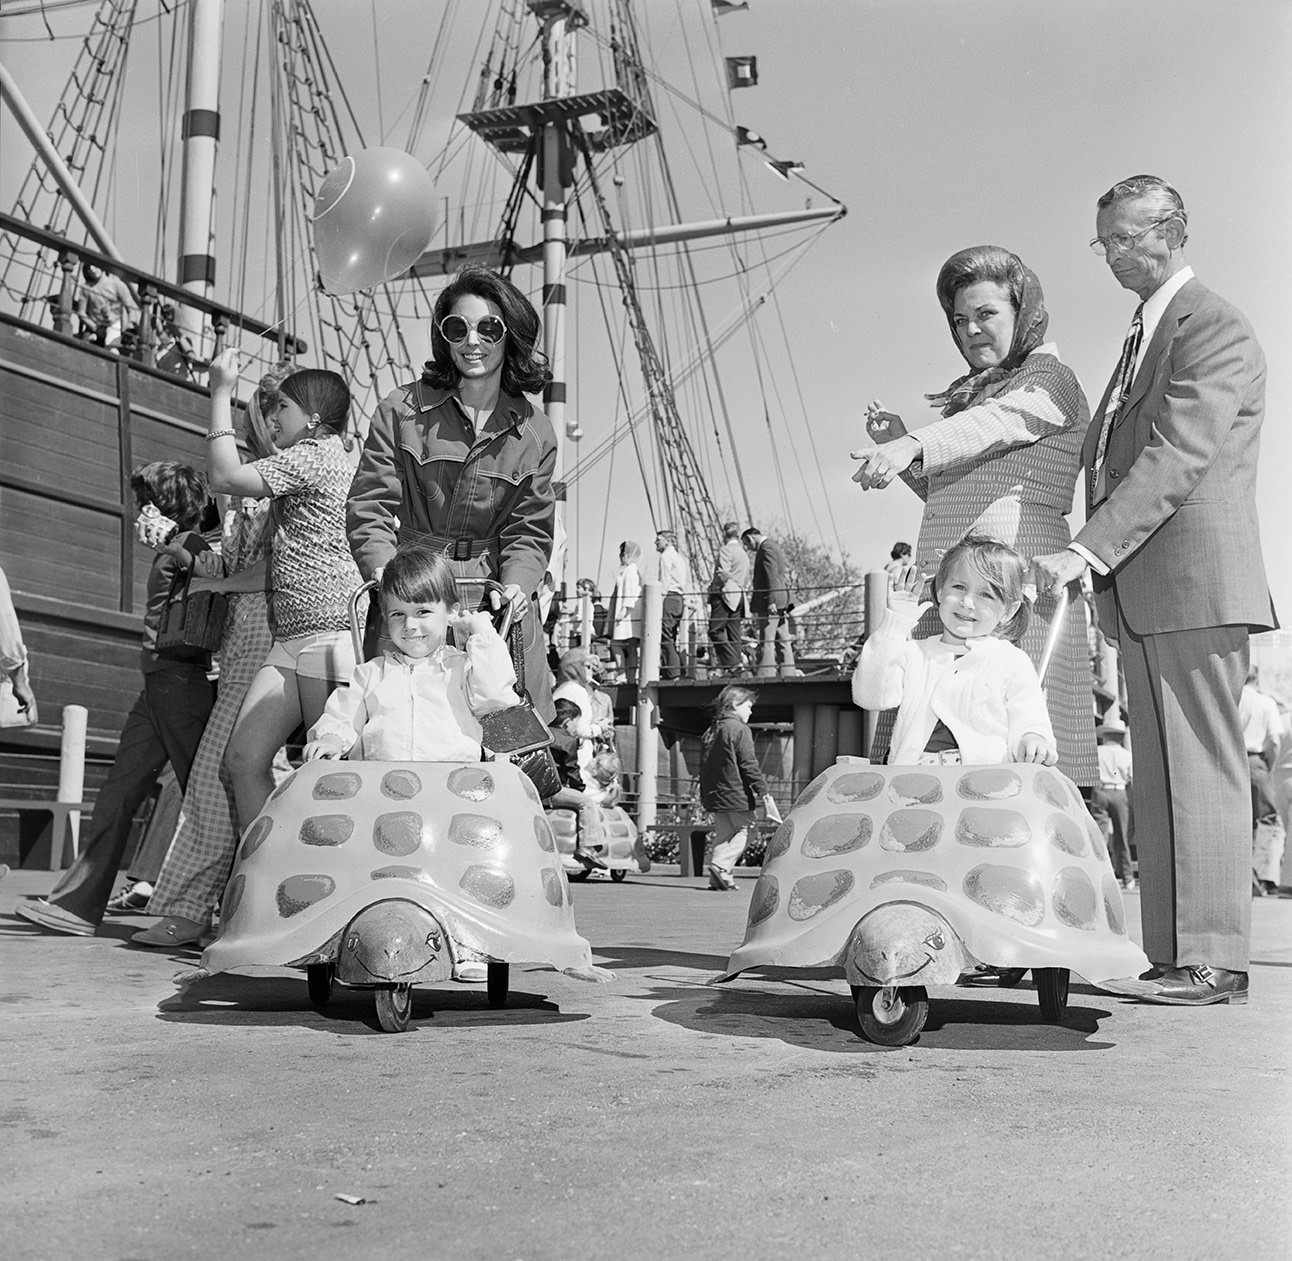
{"x": 943, "y": 124}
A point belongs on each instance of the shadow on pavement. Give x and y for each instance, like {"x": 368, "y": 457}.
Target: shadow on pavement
{"x": 823, "y": 1019}
{"x": 231, "y": 1000}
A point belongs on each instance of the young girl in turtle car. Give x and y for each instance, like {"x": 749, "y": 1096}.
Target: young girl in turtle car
{"x": 971, "y": 694}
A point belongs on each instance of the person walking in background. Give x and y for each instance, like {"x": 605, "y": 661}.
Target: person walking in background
{"x": 727, "y": 590}
{"x": 625, "y": 613}
{"x": 1002, "y": 459}
{"x": 677, "y": 589}
{"x": 1262, "y": 730}
{"x": 731, "y": 783}
{"x": 1172, "y": 535}
{"x": 13, "y": 658}
{"x": 770, "y": 604}
{"x": 166, "y": 722}
{"x": 1110, "y": 801}
{"x": 462, "y": 461}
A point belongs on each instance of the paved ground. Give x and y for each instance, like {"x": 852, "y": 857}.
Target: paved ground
{"x": 655, "y": 1116}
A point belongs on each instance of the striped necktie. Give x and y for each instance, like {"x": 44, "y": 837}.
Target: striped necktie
{"x": 1117, "y": 399}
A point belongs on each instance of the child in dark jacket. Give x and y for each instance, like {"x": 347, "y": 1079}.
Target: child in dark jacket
{"x": 731, "y": 783}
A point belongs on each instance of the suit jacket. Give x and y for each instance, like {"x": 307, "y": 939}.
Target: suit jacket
{"x": 771, "y": 577}
{"x": 730, "y": 574}
{"x": 1178, "y": 530}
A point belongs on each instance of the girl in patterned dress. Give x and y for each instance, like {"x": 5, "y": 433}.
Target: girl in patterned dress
{"x": 1001, "y": 461}
{"x": 201, "y": 853}
{"x": 311, "y": 571}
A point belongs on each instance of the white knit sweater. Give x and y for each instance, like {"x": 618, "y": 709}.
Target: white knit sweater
{"x": 989, "y": 697}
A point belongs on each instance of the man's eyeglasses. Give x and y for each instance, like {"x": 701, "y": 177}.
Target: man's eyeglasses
{"x": 1123, "y": 241}
{"x": 457, "y": 329}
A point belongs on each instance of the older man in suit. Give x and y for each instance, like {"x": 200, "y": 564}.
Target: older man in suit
{"x": 770, "y": 604}
{"x": 1171, "y": 533}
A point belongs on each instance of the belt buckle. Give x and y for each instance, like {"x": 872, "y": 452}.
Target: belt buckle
{"x": 461, "y": 549}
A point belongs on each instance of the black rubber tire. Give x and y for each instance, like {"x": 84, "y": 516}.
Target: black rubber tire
{"x": 497, "y": 982}
{"x": 1009, "y": 978}
{"x": 893, "y": 1015}
{"x": 1052, "y": 992}
{"x": 578, "y": 877}
{"x": 618, "y": 874}
{"x": 319, "y": 978}
{"x": 394, "y": 1007}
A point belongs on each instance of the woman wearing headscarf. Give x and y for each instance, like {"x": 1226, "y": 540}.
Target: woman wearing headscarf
{"x": 1002, "y": 460}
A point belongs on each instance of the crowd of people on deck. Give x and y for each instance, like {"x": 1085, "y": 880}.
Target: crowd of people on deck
{"x": 451, "y": 513}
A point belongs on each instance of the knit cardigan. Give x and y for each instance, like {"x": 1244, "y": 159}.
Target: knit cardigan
{"x": 989, "y": 697}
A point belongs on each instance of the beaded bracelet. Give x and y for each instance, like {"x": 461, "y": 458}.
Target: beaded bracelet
{"x": 221, "y": 433}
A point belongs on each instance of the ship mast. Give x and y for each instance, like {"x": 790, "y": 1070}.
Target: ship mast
{"x": 201, "y": 134}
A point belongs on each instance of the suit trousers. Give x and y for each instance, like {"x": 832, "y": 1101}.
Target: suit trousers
{"x": 670, "y": 657}
{"x": 724, "y": 631}
{"x": 1110, "y": 808}
{"x": 775, "y": 643}
{"x": 1193, "y": 831}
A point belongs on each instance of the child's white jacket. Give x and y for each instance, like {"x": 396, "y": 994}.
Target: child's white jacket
{"x": 989, "y": 697}
{"x": 405, "y": 709}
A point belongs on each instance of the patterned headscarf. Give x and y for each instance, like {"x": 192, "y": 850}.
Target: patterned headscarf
{"x": 991, "y": 262}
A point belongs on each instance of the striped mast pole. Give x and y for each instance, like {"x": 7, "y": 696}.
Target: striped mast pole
{"x": 201, "y": 137}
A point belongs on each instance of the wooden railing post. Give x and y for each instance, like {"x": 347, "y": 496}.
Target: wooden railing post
{"x": 71, "y": 781}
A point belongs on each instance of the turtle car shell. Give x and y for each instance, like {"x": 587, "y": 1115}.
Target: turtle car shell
{"x": 469, "y": 842}
{"x": 1007, "y": 855}
{"x": 620, "y": 846}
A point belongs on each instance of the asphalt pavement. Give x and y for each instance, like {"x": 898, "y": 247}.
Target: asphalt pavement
{"x": 654, "y": 1116}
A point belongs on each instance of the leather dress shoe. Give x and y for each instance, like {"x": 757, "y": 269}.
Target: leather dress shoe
{"x": 1156, "y": 972}
{"x": 1198, "y": 985}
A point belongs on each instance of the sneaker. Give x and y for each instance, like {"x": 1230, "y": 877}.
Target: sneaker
{"x": 173, "y": 931}
{"x": 50, "y": 915}
{"x": 719, "y": 880}
{"x": 589, "y": 859}
{"x": 471, "y": 971}
{"x": 132, "y": 900}
{"x": 1129, "y": 886}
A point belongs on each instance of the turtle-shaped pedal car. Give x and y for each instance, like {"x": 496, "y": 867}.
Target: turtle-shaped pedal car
{"x": 906, "y": 877}
{"x": 384, "y": 874}
{"x": 618, "y": 844}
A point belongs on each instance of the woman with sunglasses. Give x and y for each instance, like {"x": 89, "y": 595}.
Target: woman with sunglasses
{"x": 461, "y": 461}
{"x": 1001, "y": 460}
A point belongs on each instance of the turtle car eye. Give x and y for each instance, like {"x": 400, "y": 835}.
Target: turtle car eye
{"x": 353, "y": 942}
{"x": 433, "y": 940}
{"x": 935, "y": 940}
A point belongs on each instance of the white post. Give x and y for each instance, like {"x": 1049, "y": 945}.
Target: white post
{"x": 648, "y": 707}
{"x": 71, "y": 776}
{"x": 876, "y": 604}
{"x": 201, "y": 132}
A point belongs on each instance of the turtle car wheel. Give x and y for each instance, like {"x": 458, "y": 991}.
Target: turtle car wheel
{"x": 1009, "y": 978}
{"x": 497, "y": 982}
{"x": 1052, "y": 991}
{"x": 394, "y": 1007}
{"x": 617, "y": 874}
{"x": 319, "y": 978}
{"x": 891, "y": 1015}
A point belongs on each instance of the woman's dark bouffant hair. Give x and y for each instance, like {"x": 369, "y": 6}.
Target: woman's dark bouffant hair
{"x": 525, "y": 369}
{"x": 176, "y": 490}
{"x": 321, "y": 393}
{"x": 981, "y": 262}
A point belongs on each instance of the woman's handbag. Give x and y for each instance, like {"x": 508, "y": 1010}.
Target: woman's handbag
{"x": 517, "y": 732}
{"x": 191, "y": 619}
